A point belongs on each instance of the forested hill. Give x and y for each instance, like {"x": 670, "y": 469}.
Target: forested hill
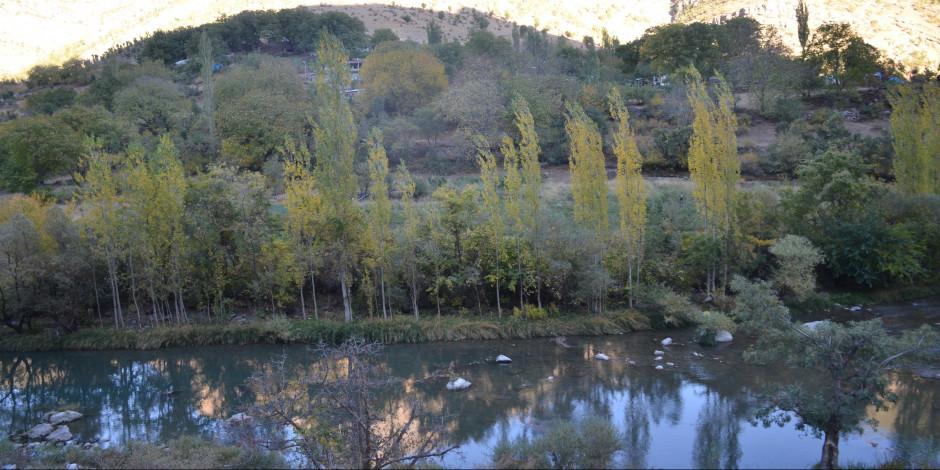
{"x": 52, "y": 31}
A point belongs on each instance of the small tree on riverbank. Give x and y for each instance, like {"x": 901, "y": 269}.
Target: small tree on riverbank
{"x": 851, "y": 359}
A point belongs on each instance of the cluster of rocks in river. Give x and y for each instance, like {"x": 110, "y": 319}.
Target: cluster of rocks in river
{"x": 53, "y": 429}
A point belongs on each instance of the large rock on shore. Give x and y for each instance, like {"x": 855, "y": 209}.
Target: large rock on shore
{"x": 501, "y": 359}
{"x": 39, "y": 431}
{"x": 61, "y": 434}
{"x": 63, "y": 417}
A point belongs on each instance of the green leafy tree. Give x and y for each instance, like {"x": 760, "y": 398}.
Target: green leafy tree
{"x": 841, "y": 54}
{"x": 797, "y": 258}
{"x": 335, "y": 136}
{"x": 408, "y": 244}
{"x": 380, "y": 213}
{"x": 915, "y": 118}
{"x": 35, "y": 148}
{"x": 402, "y": 76}
{"x": 303, "y": 204}
{"x": 802, "y": 24}
{"x": 207, "y": 66}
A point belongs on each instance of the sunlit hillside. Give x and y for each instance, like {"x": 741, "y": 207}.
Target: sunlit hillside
{"x": 51, "y": 31}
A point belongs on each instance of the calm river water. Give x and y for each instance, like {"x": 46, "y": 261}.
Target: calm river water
{"x": 696, "y": 413}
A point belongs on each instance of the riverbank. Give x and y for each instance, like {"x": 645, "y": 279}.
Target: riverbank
{"x": 296, "y": 331}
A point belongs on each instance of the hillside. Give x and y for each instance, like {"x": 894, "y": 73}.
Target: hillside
{"x": 906, "y": 30}
{"x": 51, "y": 31}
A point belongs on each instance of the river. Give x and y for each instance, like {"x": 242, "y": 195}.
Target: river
{"x": 696, "y": 413}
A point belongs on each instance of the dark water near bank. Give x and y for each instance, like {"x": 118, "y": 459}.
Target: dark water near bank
{"x": 694, "y": 414}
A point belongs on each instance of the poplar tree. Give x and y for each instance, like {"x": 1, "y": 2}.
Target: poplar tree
{"x": 713, "y": 164}
{"x": 512, "y": 184}
{"x": 303, "y": 211}
{"x": 103, "y": 217}
{"x": 409, "y": 239}
{"x": 380, "y": 214}
{"x": 915, "y": 132}
{"x": 335, "y": 136}
{"x": 208, "y": 88}
{"x": 588, "y": 185}
{"x": 156, "y": 187}
{"x": 630, "y": 190}
{"x": 802, "y": 24}
{"x": 492, "y": 208}
{"x": 531, "y": 181}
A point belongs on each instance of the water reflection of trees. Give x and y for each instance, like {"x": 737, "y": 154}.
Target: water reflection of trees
{"x": 163, "y": 394}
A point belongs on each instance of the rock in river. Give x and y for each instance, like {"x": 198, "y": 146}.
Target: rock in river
{"x": 658, "y": 353}
{"x": 61, "y": 434}
{"x": 601, "y": 357}
{"x": 666, "y": 342}
{"x": 62, "y": 417}
{"x": 39, "y": 431}
{"x": 458, "y": 384}
{"x": 723, "y": 336}
{"x": 501, "y": 359}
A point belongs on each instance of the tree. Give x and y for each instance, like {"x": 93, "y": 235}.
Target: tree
{"x": 802, "y": 24}
{"x": 155, "y": 105}
{"x": 841, "y": 54}
{"x": 382, "y": 35}
{"x": 207, "y": 66}
{"x": 435, "y": 33}
{"x": 852, "y": 358}
{"x": 405, "y": 77}
{"x": 303, "y": 206}
{"x": 35, "y": 148}
{"x": 258, "y": 102}
{"x": 24, "y": 256}
{"x": 671, "y": 47}
{"x": 915, "y": 118}
{"x": 409, "y": 233}
{"x": 380, "y": 214}
{"x": 630, "y": 190}
{"x": 331, "y": 409}
{"x": 713, "y": 164}
{"x": 493, "y": 210}
{"x": 103, "y": 218}
{"x": 531, "y": 186}
{"x": 335, "y": 137}
{"x": 155, "y": 195}
{"x": 797, "y": 258}
{"x": 588, "y": 187}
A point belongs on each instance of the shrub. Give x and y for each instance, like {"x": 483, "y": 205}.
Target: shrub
{"x": 797, "y": 258}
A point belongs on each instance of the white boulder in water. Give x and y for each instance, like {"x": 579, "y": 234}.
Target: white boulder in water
{"x": 666, "y": 342}
{"x": 723, "y": 336}
{"x": 811, "y": 326}
{"x": 64, "y": 417}
{"x": 659, "y": 367}
{"x": 601, "y": 357}
{"x": 239, "y": 418}
{"x": 458, "y": 384}
{"x": 658, "y": 353}
{"x": 855, "y": 308}
{"x": 501, "y": 359}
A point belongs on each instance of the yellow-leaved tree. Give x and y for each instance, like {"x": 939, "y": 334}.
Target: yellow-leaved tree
{"x": 915, "y": 132}
{"x": 380, "y": 213}
{"x": 714, "y": 166}
{"x": 403, "y": 76}
{"x": 303, "y": 209}
{"x": 335, "y": 136}
{"x": 408, "y": 244}
{"x": 492, "y": 209}
{"x": 589, "y": 191}
{"x": 630, "y": 190}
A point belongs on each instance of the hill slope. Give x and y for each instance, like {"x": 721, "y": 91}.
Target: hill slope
{"x": 51, "y": 31}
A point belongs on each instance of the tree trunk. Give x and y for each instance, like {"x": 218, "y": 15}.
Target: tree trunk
{"x": 830, "y": 450}
{"x": 313, "y": 291}
{"x": 382, "y": 289}
{"x": 499, "y": 306}
{"x": 303, "y": 305}
{"x": 344, "y": 287}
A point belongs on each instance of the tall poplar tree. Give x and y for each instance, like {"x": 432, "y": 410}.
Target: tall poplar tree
{"x": 335, "y": 136}
{"x": 103, "y": 218}
{"x": 303, "y": 210}
{"x": 380, "y": 213}
{"x": 713, "y": 165}
{"x": 915, "y": 132}
{"x": 208, "y": 88}
{"x": 409, "y": 239}
{"x": 588, "y": 186}
{"x": 802, "y": 24}
{"x": 630, "y": 189}
{"x": 156, "y": 187}
{"x": 531, "y": 192}
{"x": 492, "y": 207}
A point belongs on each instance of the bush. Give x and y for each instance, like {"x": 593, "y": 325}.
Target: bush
{"x": 50, "y": 101}
{"x": 797, "y": 259}
{"x": 587, "y": 443}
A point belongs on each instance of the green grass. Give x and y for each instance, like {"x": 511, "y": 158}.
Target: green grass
{"x": 285, "y": 331}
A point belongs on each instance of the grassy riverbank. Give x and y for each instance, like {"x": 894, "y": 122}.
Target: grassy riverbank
{"x": 291, "y": 331}
{"x": 185, "y": 452}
